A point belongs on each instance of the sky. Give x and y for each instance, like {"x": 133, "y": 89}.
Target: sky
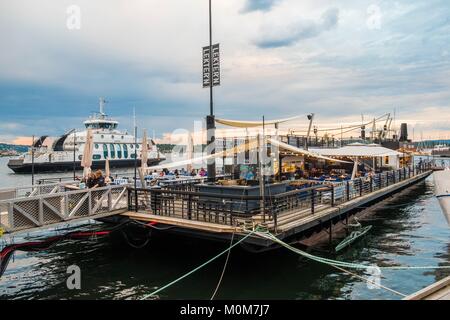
{"x": 279, "y": 58}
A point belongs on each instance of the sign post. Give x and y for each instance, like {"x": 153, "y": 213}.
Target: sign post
{"x": 211, "y": 78}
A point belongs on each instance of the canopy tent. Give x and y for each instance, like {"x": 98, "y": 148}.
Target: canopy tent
{"x": 252, "y": 144}
{"x": 286, "y": 146}
{"x": 251, "y": 124}
{"x": 358, "y": 150}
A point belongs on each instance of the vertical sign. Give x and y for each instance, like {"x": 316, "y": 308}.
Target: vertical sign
{"x": 215, "y": 66}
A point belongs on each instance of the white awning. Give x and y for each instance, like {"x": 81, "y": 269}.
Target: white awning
{"x": 358, "y": 150}
{"x": 311, "y": 154}
{"x": 252, "y": 144}
{"x": 251, "y": 124}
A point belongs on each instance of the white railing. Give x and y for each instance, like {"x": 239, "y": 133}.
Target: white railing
{"x": 39, "y": 210}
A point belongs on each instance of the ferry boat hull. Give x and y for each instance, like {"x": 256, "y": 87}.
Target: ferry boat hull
{"x": 19, "y": 167}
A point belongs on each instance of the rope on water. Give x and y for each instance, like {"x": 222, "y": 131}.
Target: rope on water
{"x": 332, "y": 262}
{"x": 224, "y": 268}
{"x": 198, "y": 268}
{"x": 327, "y": 261}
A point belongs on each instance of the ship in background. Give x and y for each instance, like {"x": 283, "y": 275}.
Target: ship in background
{"x": 441, "y": 150}
{"x": 66, "y": 152}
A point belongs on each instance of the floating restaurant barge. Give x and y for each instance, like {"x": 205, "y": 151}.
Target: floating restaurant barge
{"x": 197, "y": 209}
{"x": 205, "y": 211}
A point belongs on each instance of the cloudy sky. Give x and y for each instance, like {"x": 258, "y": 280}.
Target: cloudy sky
{"x": 279, "y": 58}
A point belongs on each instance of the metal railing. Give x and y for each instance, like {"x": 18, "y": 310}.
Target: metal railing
{"x": 36, "y": 190}
{"x": 273, "y": 209}
{"x": 53, "y": 207}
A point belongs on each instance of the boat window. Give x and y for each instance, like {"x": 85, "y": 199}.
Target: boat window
{"x": 133, "y": 155}
{"x": 96, "y": 156}
{"x": 105, "y": 151}
{"x": 80, "y": 157}
{"x": 96, "y": 146}
{"x": 119, "y": 151}
{"x": 125, "y": 151}
{"x": 112, "y": 151}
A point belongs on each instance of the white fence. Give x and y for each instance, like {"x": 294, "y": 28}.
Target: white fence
{"x": 51, "y": 204}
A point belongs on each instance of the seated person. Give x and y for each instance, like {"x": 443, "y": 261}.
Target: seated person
{"x": 202, "y": 172}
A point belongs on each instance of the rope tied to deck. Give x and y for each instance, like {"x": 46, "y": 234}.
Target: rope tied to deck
{"x": 153, "y": 294}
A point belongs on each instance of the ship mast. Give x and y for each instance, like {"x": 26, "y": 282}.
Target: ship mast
{"x": 102, "y": 106}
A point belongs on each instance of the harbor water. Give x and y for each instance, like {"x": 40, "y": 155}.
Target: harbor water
{"x": 409, "y": 230}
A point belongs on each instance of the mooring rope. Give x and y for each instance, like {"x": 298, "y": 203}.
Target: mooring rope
{"x": 263, "y": 232}
{"x": 199, "y": 267}
{"x": 332, "y": 262}
{"x": 223, "y": 270}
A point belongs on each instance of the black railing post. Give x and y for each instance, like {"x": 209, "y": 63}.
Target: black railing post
{"x": 371, "y": 183}
{"x": 393, "y": 176}
{"x": 313, "y": 196}
{"x": 347, "y": 190}
{"x": 380, "y": 183}
{"x": 156, "y": 203}
{"x": 387, "y": 178}
{"x": 275, "y": 220}
{"x": 189, "y": 207}
{"x": 129, "y": 199}
{"x": 360, "y": 187}
{"x": 332, "y": 195}
{"x": 136, "y": 200}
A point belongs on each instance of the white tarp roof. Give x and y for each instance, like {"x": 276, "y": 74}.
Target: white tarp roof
{"x": 308, "y": 153}
{"x": 358, "y": 150}
{"x": 252, "y": 144}
{"x": 251, "y": 124}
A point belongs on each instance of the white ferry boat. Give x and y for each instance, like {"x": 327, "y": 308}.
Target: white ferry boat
{"x": 66, "y": 152}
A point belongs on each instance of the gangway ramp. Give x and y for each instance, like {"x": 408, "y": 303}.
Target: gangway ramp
{"x": 50, "y": 205}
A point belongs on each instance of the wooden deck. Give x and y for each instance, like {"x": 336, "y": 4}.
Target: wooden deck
{"x": 437, "y": 291}
{"x": 185, "y": 223}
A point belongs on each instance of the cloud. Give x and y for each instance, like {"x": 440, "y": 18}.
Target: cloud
{"x": 258, "y": 5}
{"x": 290, "y": 34}
{"x": 147, "y": 55}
